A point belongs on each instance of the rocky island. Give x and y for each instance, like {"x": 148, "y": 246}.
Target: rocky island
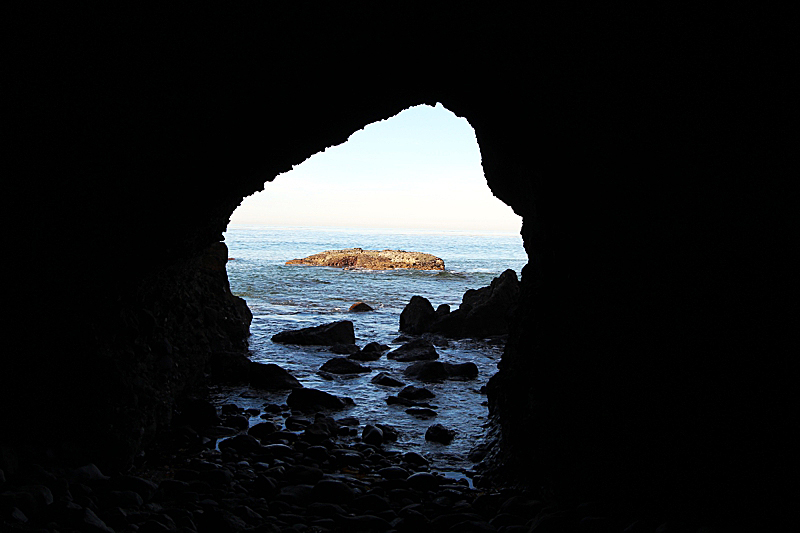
{"x": 372, "y": 259}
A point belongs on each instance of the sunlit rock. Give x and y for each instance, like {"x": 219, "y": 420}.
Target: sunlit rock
{"x": 372, "y": 259}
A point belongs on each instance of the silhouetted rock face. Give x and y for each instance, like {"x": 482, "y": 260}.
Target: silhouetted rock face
{"x": 372, "y": 259}
{"x": 623, "y": 140}
{"x": 483, "y": 312}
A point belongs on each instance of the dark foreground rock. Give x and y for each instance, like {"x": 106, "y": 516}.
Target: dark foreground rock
{"x": 271, "y": 376}
{"x": 340, "y": 332}
{"x": 483, "y": 312}
{"x": 439, "y": 433}
{"x": 416, "y": 350}
{"x": 437, "y": 371}
{"x": 310, "y": 400}
{"x": 343, "y": 365}
{"x": 385, "y": 379}
{"x": 268, "y": 479}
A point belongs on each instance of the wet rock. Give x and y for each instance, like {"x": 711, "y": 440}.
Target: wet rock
{"x": 304, "y": 475}
{"x": 439, "y": 433}
{"x": 437, "y": 371}
{"x": 423, "y": 481}
{"x": 417, "y": 316}
{"x": 365, "y": 523}
{"x": 241, "y": 443}
{"x": 415, "y": 393}
{"x": 328, "y": 510}
{"x": 422, "y": 412}
{"x": 360, "y": 307}
{"x": 325, "y": 334}
{"x": 88, "y": 473}
{"x": 345, "y": 349}
{"x": 397, "y": 400}
{"x": 372, "y": 435}
{"x": 415, "y": 459}
{"x": 370, "y": 502}
{"x": 310, "y": 400}
{"x": 238, "y": 421}
{"x": 416, "y": 350}
{"x": 271, "y": 376}
{"x": 393, "y": 472}
{"x": 332, "y": 491}
{"x": 262, "y": 429}
{"x": 144, "y": 487}
{"x": 348, "y": 421}
{"x": 375, "y": 347}
{"x": 457, "y": 371}
{"x": 426, "y": 371}
{"x": 366, "y": 355}
{"x": 294, "y": 423}
{"x": 343, "y": 365}
{"x": 385, "y": 379}
{"x": 491, "y": 307}
{"x": 390, "y": 434}
{"x": 317, "y": 453}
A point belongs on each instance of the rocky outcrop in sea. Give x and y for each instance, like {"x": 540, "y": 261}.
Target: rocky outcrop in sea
{"x": 372, "y": 259}
{"x": 483, "y": 312}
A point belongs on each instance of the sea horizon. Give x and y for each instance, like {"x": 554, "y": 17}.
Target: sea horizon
{"x": 370, "y": 229}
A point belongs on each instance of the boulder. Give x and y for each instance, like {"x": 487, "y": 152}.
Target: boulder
{"x": 417, "y": 316}
{"x": 416, "y": 350}
{"x": 372, "y": 435}
{"x": 385, "y": 379}
{"x": 483, "y": 312}
{"x": 439, "y": 433}
{"x": 345, "y": 349}
{"x": 310, "y": 400}
{"x": 370, "y": 352}
{"x": 360, "y": 307}
{"x": 421, "y": 412}
{"x": 343, "y": 365}
{"x": 365, "y": 356}
{"x": 323, "y": 335}
{"x": 491, "y": 307}
{"x": 375, "y": 347}
{"x": 271, "y": 376}
{"x": 437, "y": 371}
{"x": 467, "y": 370}
{"x": 426, "y": 371}
{"x": 415, "y": 393}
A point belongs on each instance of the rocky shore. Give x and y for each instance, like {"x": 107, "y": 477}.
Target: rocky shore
{"x": 293, "y": 471}
{"x": 372, "y": 259}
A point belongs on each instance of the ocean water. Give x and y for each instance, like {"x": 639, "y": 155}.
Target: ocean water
{"x": 293, "y": 296}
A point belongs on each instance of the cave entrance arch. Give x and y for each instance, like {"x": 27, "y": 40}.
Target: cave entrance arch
{"x": 412, "y": 182}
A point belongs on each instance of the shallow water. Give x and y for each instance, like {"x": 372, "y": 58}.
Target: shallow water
{"x": 289, "y": 297}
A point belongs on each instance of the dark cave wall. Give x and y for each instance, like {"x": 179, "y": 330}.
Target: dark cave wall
{"x": 645, "y": 361}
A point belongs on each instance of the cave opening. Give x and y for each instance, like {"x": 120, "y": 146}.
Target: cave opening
{"x": 413, "y": 182}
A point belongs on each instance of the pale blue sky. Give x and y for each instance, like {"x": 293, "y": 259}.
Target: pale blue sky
{"x": 420, "y": 169}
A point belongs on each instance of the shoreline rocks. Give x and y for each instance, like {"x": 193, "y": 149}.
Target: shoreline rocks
{"x": 483, "y": 312}
{"x": 372, "y": 260}
{"x": 340, "y": 332}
